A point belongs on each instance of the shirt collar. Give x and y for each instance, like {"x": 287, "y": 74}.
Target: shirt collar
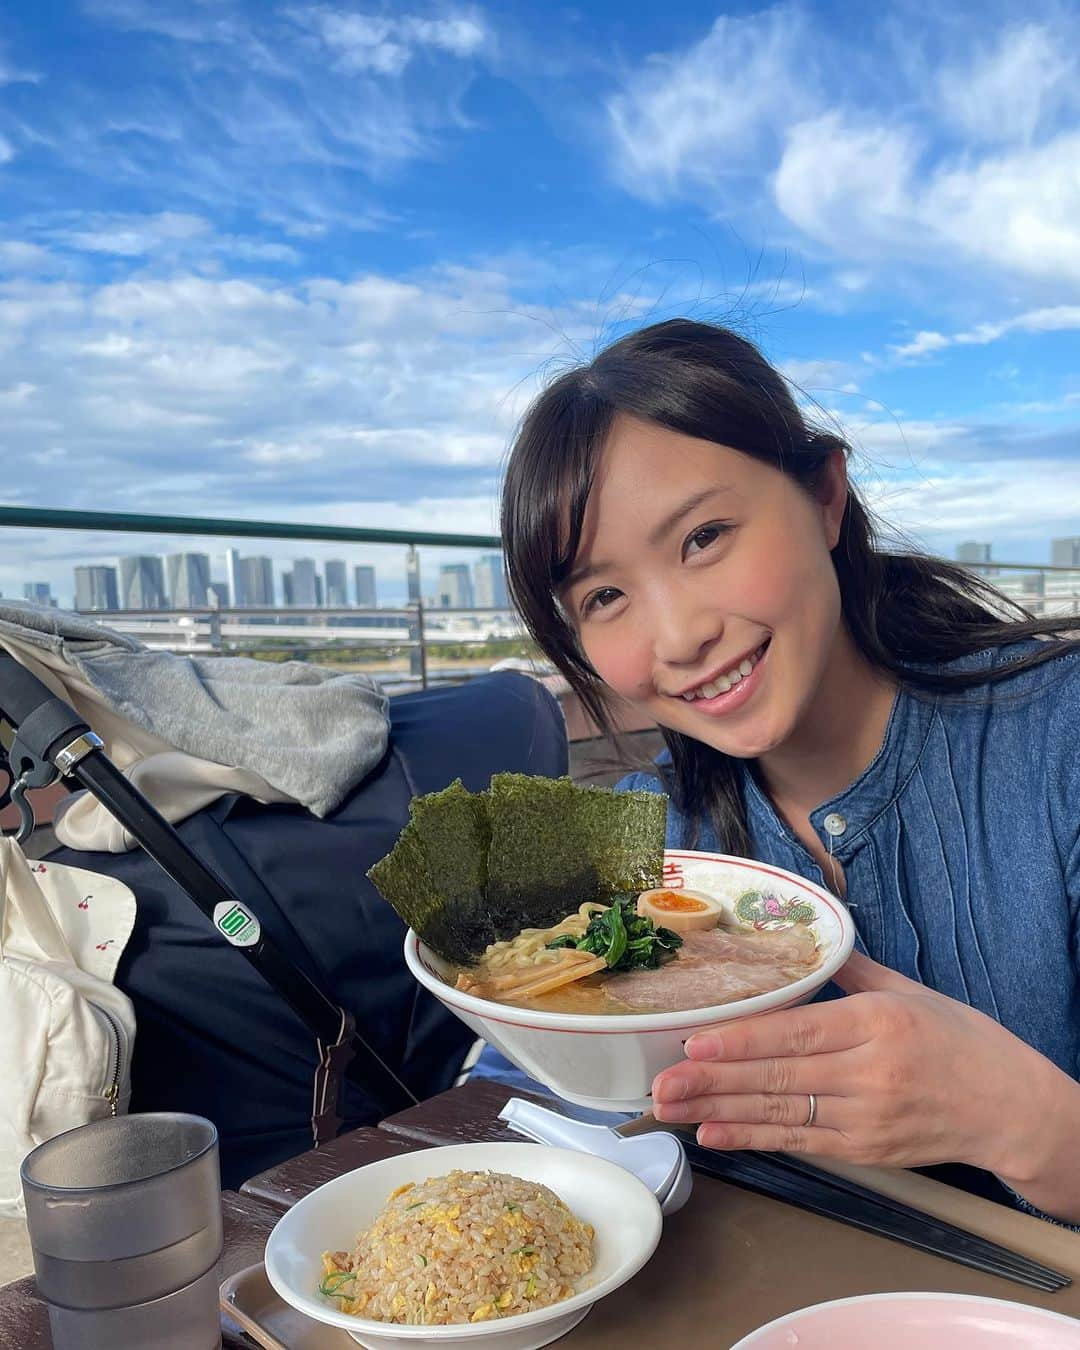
{"x": 852, "y": 812}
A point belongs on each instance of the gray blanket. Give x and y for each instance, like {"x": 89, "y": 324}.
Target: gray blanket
{"x": 309, "y": 732}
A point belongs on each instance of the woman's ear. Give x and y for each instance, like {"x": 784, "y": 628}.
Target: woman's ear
{"x": 833, "y": 496}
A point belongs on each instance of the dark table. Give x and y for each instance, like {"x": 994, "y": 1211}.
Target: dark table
{"x": 728, "y": 1262}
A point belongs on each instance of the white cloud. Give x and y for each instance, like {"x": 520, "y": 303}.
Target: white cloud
{"x": 12, "y": 74}
{"x": 385, "y": 44}
{"x": 1048, "y": 319}
{"x": 980, "y": 171}
{"x": 7, "y": 150}
{"x": 208, "y": 394}
{"x": 287, "y": 95}
{"x": 924, "y": 343}
{"x": 1008, "y": 91}
{"x": 707, "y": 115}
{"x": 981, "y": 502}
{"x": 845, "y": 179}
{"x": 17, "y": 255}
{"x": 132, "y": 236}
{"x": 820, "y": 375}
{"x": 165, "y": 236}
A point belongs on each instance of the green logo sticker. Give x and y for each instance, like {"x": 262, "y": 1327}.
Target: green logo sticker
{"x": 236, "y": 924}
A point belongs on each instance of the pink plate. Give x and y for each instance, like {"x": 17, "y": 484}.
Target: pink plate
{"x": 917, "y": 1322}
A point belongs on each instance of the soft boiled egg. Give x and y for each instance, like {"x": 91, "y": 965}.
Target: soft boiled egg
{"x": 681, "y": 911}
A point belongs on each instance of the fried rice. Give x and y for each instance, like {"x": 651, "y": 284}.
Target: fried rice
{"x": 461, "y": 1248}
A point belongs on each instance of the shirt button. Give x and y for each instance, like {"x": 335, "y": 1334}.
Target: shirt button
{"x": 835, "y": 824}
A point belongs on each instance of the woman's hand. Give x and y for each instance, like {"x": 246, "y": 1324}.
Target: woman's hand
{"x": 902, "y": 1076}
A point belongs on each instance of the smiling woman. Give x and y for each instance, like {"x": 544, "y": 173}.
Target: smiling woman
{"x": 680, "y": 539}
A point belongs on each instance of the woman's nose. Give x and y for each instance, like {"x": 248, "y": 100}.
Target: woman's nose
{"x": 682, "y": 633}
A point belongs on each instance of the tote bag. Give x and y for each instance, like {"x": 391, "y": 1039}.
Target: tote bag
{"x": 66, "y": 1031}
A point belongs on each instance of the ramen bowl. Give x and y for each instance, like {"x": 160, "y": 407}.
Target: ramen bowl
{"x": 608, "y": 1061}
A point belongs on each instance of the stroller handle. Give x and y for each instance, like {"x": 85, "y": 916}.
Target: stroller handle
{"x": 44, "y": 722}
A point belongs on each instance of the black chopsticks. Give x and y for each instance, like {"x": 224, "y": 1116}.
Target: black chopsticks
{"x": 809, "y": 1187}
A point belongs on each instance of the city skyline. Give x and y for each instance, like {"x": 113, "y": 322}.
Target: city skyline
{"x": 189, "y": 580}
{"x": 250, "y": 581}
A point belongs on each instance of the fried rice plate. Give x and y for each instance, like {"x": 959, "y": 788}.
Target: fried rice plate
{"x": 464, "y": 1247}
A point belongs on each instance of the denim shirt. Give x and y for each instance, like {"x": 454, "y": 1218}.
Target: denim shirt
{"x": 960, "y": 844}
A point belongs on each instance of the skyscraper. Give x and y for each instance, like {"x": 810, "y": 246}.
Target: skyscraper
{"x": 364, "y": 580}
{"x": 188, "y": 577}
{"x": 255, "y": 580}
{"x": 455, "y": 586}
{"x": 1065, "y": 552}
{"x": 38, "y": 593}
{"x": 219, "y": 595}
{"x": 972, "y": 551}
{"x": 304, "y": 576}
{"x": 490, "y": 581}
{"x": 142, "y": 582}
{"x": 337, "y": 584}
{"x": 412, "y": 574}
{"x": 232, "y": 578}
{"x": 95, "y": 588}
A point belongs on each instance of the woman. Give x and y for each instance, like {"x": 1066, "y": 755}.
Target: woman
{"x": 679, "y": 539}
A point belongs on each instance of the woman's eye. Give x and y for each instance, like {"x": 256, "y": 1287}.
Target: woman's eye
{"x": 701, "y": 539}
{"x": 600, "y": 599}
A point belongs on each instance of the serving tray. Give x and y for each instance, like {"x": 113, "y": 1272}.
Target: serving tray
{"x": 248, "y": 1300}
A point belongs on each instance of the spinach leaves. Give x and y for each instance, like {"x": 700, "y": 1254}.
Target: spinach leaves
{"x": 624, "y": 938}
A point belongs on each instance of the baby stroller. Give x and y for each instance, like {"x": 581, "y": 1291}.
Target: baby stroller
{"x": 319, "y": 1026}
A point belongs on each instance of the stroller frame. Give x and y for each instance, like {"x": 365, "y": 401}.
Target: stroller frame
{"x": 52, "y": 741}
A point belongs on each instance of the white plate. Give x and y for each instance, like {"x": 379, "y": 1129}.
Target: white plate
{"x": 622, "y": 1210}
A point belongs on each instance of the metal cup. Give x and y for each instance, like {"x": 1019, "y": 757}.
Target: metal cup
{"x": 125, "y": 1225}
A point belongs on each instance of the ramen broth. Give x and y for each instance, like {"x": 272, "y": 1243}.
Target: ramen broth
{"x": 712, "y": 967}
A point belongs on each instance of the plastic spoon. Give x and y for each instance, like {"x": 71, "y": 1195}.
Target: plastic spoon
{"x": 658, "y": 1159}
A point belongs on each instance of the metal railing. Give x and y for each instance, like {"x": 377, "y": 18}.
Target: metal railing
{"x": 1046, "y": 589}
{"x": 261, "y": 628}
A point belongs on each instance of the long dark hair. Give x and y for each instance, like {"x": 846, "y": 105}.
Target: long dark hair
{"x": 907, "y": 612}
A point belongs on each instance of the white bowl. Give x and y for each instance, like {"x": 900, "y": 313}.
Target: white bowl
{"x": 622, "y": 1210}
{"x": 917, "y": 1321}
{"x": 609, "y": 1062}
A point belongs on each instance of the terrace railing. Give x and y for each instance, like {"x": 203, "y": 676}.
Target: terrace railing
{"x": 1045, "y": 589}
{"x": 414, "y": 631}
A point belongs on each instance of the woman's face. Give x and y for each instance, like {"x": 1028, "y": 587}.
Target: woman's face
{"x": 703, "y": 592}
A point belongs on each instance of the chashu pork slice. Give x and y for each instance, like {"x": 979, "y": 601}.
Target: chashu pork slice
{"x": 717, "y": 966}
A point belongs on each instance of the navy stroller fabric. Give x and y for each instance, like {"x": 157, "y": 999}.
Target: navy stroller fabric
{"x": 213, "y": 1038}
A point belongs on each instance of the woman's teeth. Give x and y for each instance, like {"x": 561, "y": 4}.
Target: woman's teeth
{"x": 728, "y": 680}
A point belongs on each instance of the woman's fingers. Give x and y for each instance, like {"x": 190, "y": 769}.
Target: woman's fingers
{"x": 815, "y": 1140}
{"x": 758, "y": 1108}
{"x": 773, "y": 1077}
{"x": 814, "y": 1030}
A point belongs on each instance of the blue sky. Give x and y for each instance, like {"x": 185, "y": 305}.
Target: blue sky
{"x": 308, "y": 260}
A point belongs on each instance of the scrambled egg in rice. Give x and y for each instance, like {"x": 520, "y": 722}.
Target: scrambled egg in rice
{"x": 460, "y": 1248}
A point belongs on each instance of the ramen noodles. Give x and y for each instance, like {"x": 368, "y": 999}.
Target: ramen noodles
{"x": 713, "y": 960}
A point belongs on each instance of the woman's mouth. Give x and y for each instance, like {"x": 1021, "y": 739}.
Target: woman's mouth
{"x": 730, "y": 689}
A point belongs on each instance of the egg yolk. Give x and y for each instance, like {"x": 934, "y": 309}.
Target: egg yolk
{"x": 673, "y": 903}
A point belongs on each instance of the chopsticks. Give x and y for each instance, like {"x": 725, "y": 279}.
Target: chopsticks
{"x": 809, "y": 1187}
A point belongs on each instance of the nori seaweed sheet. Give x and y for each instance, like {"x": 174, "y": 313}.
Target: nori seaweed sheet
{"x": 454, "y": 828}
{"x": 473, "y": 868}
